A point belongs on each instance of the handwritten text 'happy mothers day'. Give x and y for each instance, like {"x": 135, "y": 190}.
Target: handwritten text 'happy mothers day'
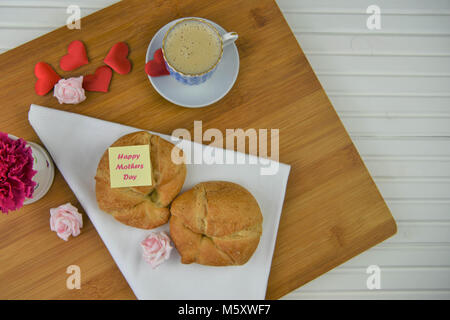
{"x": 130, "y": 166}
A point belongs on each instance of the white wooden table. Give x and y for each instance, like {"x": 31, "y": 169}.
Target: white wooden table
{"x": 391, "y": 89}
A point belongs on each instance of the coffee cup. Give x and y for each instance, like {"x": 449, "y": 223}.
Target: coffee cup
{"x": 193, "y": 48}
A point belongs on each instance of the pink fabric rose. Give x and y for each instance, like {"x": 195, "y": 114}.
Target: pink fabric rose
{"x": 70, "y": 90}
{"x": 156, "y": 248}
{"x": 65, "y": 221}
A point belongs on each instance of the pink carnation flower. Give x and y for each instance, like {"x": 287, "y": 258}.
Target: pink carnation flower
{"x": 16, "y": 173}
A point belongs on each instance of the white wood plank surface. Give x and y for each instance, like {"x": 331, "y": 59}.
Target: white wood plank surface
{"x": 391, "y": 89}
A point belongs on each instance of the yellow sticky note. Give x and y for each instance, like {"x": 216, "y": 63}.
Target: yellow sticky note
{"x": 130, "y": 166}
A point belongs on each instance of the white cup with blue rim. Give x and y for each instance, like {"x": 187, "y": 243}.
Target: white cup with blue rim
{"x": 198, "y": 78}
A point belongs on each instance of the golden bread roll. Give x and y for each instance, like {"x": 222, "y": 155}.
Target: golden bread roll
{"x": 216, "y": 223}
{"x": 143, "y": 207}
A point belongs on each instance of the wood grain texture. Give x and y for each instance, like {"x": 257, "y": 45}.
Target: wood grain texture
{"x": 333, "y": 210}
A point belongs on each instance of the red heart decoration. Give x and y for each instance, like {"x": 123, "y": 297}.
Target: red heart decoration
{"x": 99, "y": 81}
{"x": 117, "y": 58}
{"x": 157, "y": 66}
{"x": 46, "y": 78}
{"x": 76, "y": 56}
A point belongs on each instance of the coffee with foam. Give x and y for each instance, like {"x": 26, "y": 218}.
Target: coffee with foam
{"x": 192, "y": 47}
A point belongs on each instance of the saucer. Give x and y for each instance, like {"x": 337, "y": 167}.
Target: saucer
{"x": 203, "y": 94}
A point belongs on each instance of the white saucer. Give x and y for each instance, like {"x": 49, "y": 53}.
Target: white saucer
{"x": 203, "y": 94}
{"x": 45, "y": 168}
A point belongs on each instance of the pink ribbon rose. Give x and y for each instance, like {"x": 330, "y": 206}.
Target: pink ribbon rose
{"x": 65, "y": 221}
{"x": 156, "y": 248}
{"x": 70, "y": 90}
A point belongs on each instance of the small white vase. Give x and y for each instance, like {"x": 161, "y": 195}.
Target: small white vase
{"x": 45, "y": 168}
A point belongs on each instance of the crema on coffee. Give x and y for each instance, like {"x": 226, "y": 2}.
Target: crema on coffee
{"x": 192, "y": 47}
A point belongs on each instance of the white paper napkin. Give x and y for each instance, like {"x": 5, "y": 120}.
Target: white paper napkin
{"x": 77, "y": 143}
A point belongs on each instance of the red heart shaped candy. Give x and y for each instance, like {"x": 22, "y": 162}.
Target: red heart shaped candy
{"x": 76, "y": 56}
{"x": 157, "y": 66}
{"x": 117, "y": 58}
{"x": 99, "y": 81}
{"x": 46, "y": 78}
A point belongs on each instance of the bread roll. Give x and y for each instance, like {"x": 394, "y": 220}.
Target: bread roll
{"x": 216, "y": 223}
{"x": 143, "y": 207}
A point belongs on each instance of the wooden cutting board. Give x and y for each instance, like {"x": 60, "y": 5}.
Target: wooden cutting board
{"x": 333, "y": 210}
